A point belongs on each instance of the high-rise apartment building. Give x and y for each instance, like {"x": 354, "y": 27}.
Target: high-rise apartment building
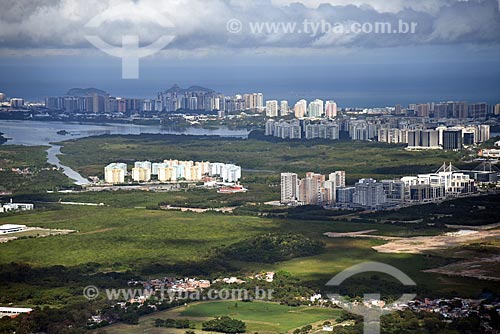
{"x": 284, "y": 109}
{"x": 316, "y": 109}
{"x": 452, "y": 140}
{"x": 369, "y": 193}
{"x": 115, "y": 173}
{"x": 330, "y": 109}
{"x": 140, "y": 174}
{"x": 497, "y": 109}
{"x": 478, "y": 110}
{"x": 289, "y": 188}
{"x": 300, "y": 109}
{"x": 272, "y": 108}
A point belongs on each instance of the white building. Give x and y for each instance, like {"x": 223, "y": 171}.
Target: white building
{"x": 289, "y": 188}
{"x": 166, "y": 174}
{"x": 316, "y": 109}
{"x": 369, "y": 193}
{"x": 13, "y": 311}
{"x": 115, "y": 173}
{"x": 300, "y": 109}
{"x": 16, "y": 207}
{"x": 284, "y": 109}
{"x": 140, "y": 174}
{"x": 143, "y": 164}
{"x": 231, "y": 173}
{"x": 272, "y": 108}
{"x": 331, "y": 109}
{"x": 11, "y": 228}
{"x": 156, "y": 166}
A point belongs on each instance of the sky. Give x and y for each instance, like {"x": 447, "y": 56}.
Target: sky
{"x": 48, "y": 47}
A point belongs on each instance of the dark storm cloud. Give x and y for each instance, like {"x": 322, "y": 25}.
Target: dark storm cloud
{"x": 61, "y": 24}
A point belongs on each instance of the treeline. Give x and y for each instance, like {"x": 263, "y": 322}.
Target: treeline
{"x": 224, "y": 325}
{"x": 479, "y": 211}
{"x": 174, "y": 323}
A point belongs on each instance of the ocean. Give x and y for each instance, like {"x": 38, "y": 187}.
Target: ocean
{"x": 350, "y": 85}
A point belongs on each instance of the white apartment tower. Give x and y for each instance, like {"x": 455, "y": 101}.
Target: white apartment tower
{"x": 115, "y": 173}
{"x": 272, "y": 108}
{"x": 300, "y": 109}
{"x": 330, "y": 109}
{"x": 289, "y": 187}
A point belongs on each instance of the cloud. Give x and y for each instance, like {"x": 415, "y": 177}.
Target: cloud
{"x": 201, "y": 25}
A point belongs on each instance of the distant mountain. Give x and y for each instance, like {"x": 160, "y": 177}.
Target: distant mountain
{"x": 198, "y": 89}
{"x": 85, "y": 92}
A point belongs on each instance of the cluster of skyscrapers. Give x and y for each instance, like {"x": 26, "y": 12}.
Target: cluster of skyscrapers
{"x": 174, "y": 99}
{"x": 295, "y": 129}
{"x": 418, "y": 133}
{"x": 447, "y": 182}
{"x": 171, "y": 171}
{"x": 97, "y": 103}
{"x": 315, "y": 109}
{"x": 441, "y": 137}
{"x": 314, "y": 189}
{"x": 452, "y": 109}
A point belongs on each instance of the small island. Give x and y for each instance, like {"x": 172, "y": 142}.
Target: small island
{"x": 2, "y": 138}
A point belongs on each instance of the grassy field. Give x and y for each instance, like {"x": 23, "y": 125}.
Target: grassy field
{"x": 127, "y": 236}
{"x": 259, "y": 317}
{"x": 132, "y": 239}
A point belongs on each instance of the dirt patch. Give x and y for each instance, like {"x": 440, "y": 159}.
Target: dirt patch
{"x": 419, "y": 245}
{"x": 359, "y": 234}
{"x": 98, "y": 231}
{"x": 483, "y": 268}
{"x": 34, "y": 232}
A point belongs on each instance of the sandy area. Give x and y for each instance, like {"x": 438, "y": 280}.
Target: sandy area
{"x": 483, "y": 268}
{"x": 419, "y": 245}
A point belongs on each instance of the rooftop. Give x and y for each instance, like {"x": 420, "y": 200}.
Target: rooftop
{"x": 11, "y": 226}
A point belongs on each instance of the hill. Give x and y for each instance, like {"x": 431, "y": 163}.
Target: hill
{"x": 85, "y": 92}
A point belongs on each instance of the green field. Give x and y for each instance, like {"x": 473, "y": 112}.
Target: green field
{"x": 131, "y": 237}
{"x": 259, "y": 317}
{"x": 134, "y": 239}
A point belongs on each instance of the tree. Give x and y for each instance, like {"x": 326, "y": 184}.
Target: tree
{"x": 224, "y": 325}
{"x": 159, "y": 323}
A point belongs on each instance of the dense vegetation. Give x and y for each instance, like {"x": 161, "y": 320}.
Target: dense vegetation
{"x": 33, "y": 174}
{"x": 90, "y": 155}
{"x": 273, "y": 247}
{"x": 224, "y": 325}
{"x": 465, "y": 211}
{"x": 173, "y": 323}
